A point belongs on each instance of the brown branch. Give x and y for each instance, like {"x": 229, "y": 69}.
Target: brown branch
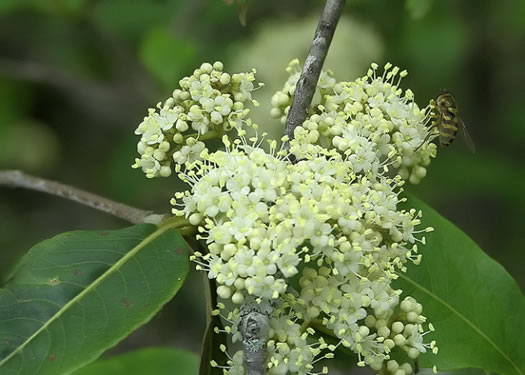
{"x": 14, "y": 178}
{"x": 254, "y": 327}
{"x": 255, "y": 321}
{"x": 305, "y": 88}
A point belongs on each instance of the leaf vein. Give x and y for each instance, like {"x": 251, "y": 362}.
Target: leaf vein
{"x": 92, "y": 287}
{"x": 464, "y": 319}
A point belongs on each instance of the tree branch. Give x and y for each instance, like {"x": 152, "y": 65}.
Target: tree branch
{"x": 305, "y": 88}
{"x": 14, "y": 178}
{"x": 254, "y": 327}
{"x": 255, "y": 318}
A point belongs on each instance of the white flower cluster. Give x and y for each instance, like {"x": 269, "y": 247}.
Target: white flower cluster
{"x": 294, "y": 348}
{"x": 264, "y": 217}
{"x": 209, "y": 103}
{"x": 316, "y": 229}
{"x": 369, "y": 121}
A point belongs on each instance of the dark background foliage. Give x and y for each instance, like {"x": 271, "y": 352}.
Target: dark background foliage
{"x": 77, "y": 76}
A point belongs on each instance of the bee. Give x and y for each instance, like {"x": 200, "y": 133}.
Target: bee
{"x": 447, "y": 121}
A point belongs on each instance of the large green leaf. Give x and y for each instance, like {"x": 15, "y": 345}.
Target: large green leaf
{"x": 478, "y": 310}
{"x": 150, "y": 361}
{"x": 79, "y": 293}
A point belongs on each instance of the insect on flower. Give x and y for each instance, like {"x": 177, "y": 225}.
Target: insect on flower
{"x": 447, "y": 121}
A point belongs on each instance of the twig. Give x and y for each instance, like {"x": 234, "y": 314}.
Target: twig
{"x": 305, "y": 88}
{"x": 255, "y": 319}
{"x": 14, "y": 178}
{"x": 254, "y": 327}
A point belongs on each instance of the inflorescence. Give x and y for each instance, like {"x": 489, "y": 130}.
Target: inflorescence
{"x": 207, "y": 104}
{"x": 315, "y": 228}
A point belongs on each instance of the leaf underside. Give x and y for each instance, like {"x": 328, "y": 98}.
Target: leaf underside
{"x": 79, "y": 293}
{"x": 478, "y": 310}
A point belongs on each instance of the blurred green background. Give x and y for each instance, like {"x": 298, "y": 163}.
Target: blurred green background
{"x": 77, "y": 76}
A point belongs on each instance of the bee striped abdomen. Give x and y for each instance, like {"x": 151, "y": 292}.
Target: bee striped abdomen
{"x": 447, "y": 131}
{"x": 448, "y": 119}
{"x": 448, "y": 128}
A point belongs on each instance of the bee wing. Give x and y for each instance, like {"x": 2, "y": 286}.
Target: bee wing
{"x": 468, "y": 140}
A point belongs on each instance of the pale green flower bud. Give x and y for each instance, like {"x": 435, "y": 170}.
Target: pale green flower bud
{"x": 275, "y": 113}
{"x": 224, "y": 292}
{"x": 181, "y": 125}
{"x": 225, "y": 78}
{"x": 165, "y": 171}
{"x": 392, "y": 366}
{"x": 413, "y": 353}
{"x": 383, "y": 331}
{"x": 397, "y": 327}
{"x": 206, "y": 68}
{"x": 217, "y": 65}
{"x": 399, "y": 339}
{"x": 178, "y": 138}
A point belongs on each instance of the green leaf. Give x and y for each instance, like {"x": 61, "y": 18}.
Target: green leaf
{"x": 151, "y": 361}
{"x": 478, "y": 310}
{"x": 166, "y": 57}
{"x": 418, "y": 8}
{"x": 79, "y": 293}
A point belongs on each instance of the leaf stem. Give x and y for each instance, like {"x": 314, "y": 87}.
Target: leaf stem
{"x": 16, "y": 179}
{"x": 180, "y": 223}
{"x": 254, "y": 327}
{"x": 465, "y": 319}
